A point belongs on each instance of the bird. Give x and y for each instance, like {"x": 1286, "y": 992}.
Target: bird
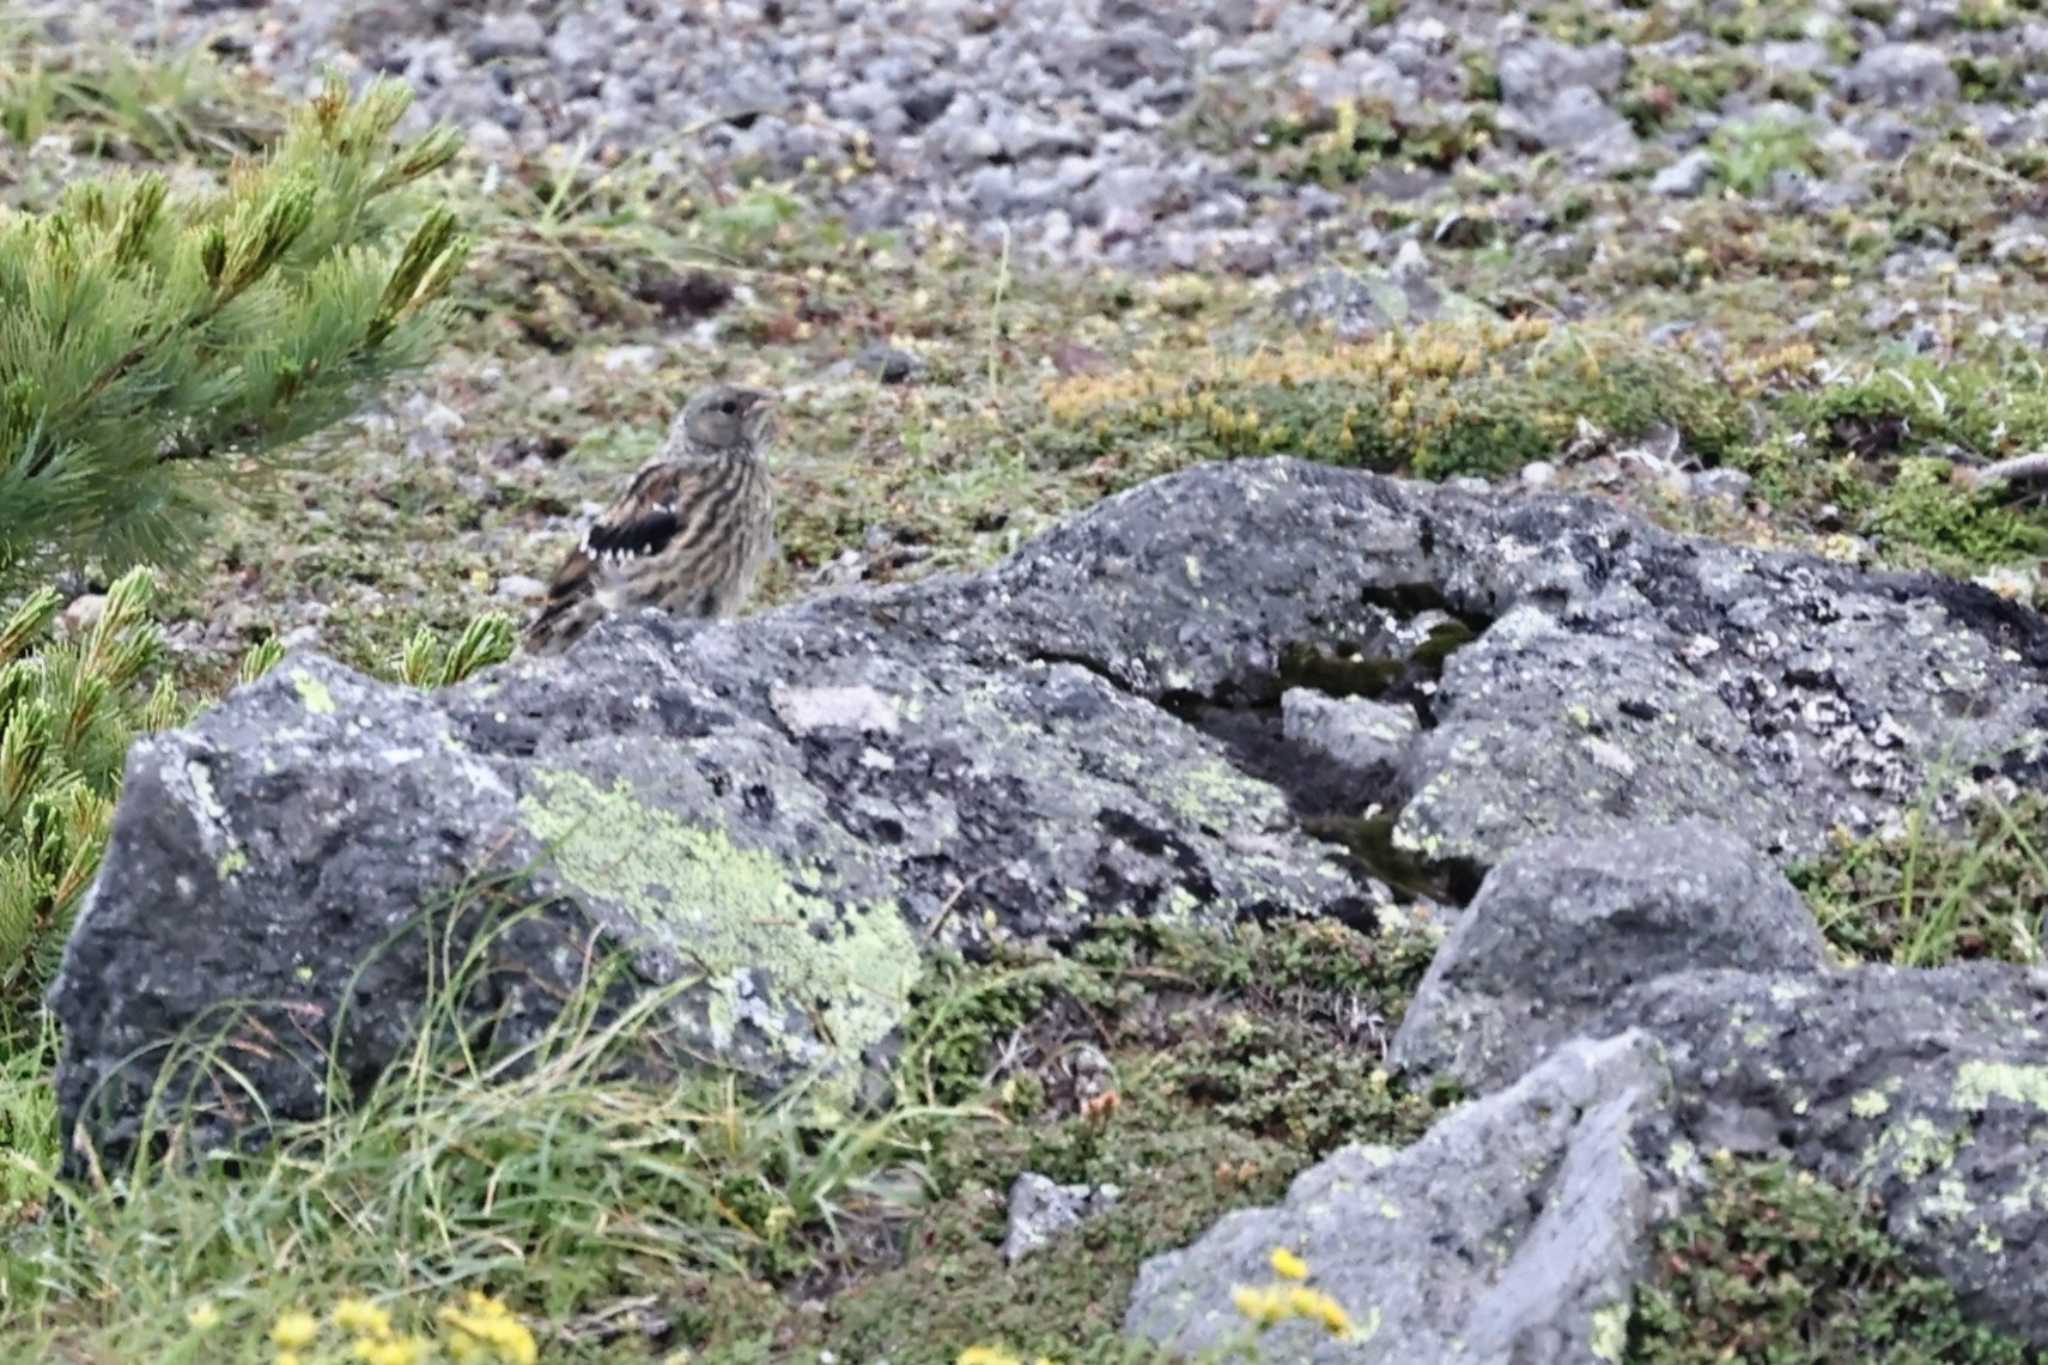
{"x": 691, "y": 533}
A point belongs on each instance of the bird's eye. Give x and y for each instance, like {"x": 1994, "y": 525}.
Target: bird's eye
{"x": 728, "y": 407}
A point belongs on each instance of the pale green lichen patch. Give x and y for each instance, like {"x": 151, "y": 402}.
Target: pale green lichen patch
{"x": 1913, "y": 1148}
{"x": 313, "y": 693}
{"x": 1218, "y": 796}
{"x": 1978, "y": 1083}
{"x": 771, "y": 952}
{"x": 1610, "y": 1331}
{"x": 1869, "y": 1105}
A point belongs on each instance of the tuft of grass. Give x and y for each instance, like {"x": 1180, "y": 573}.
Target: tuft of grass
{"x": 1776, "y": 1265}
{"x": 107, "y": 101}
{"x": 1923, "y": 898}
{"x": 1748, "y": 156}
{"x": 564, "y": 1174}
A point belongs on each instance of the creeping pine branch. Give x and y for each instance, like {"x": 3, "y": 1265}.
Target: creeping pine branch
{"x": 2015, "y": 470}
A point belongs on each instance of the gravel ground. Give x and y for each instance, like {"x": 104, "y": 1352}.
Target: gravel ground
{"x": 1134, "y": 133}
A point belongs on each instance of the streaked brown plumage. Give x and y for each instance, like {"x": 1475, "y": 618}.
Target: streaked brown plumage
{"x": 690, "y": 534}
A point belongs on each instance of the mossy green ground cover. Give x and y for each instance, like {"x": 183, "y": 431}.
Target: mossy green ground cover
{"x": 1195, "y": 1072}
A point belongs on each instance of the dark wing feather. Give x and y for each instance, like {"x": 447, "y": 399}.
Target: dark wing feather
{"x": 655, "y": 507}
{"x": 644, "y": 532}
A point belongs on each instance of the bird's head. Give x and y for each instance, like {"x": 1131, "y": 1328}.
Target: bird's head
{"x": 728, "y": 418}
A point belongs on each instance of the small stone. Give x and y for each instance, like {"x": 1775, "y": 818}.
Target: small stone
{"x": 639, "y": 359}
{"x": 1721, "y": 485}
{"x": 84, "y": 612}
{"x": 1539, "y": 474}
{"x": 1041, "y": 1210}
{"x": 1352, "y": 732}
{"x": 1686, "y": 177}
{"x": 508, "y": 35}
{"x": 520, "y": 587}
{"x": 1902, "y": 75}
{"x": 888, "y": 364}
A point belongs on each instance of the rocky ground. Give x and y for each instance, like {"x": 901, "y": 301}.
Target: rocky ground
{"x": 1771, "y": 275}
{"x": 934, "y": 225}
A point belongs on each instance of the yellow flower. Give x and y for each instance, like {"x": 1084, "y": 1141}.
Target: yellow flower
{"x": 1287, "y": 1265}
{"x": 295, "y": 1331}
{"x": 287, "y": 1358}
{"x": 493, "y": 1326}
{"x": 1317, "y": 1306}
{"x": 985, "y": 1355}
{"x": 403, "y": 1351}
{"x": 1264, "y": 1306}
{"x": 202, "y": 1317}
{"x": 360, "y": 1317}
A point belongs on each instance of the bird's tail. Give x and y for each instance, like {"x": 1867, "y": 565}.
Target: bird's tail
{"x": 570, "y": 608}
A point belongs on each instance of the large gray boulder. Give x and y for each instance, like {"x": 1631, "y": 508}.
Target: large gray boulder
{"x": 1928, "y": 1088}
{"x": 775, "y": 817}
{"x": 1566, "y": 924}
{"x": 1513, "y": 1231}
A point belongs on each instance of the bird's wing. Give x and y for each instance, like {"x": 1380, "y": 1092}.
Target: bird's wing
{"x": 655, "y": 507}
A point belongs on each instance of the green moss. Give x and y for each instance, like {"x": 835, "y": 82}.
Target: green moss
{"x": 1776, "y": 1265}
{"x": 819, "y": 982}
{"x": 1439, "y": 400}
{"x": 1236, "y": 1060}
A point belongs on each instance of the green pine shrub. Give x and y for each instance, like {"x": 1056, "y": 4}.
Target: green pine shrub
{"x": 157, "y": 349}
{"x": 68, "y": 711}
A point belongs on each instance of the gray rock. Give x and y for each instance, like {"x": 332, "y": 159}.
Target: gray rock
{"x": 508, "y": 35}
{"x": 1514, "y": 1231}
{"x": 1720, "y": 485}
{"x": 1533, "y": 74}
{"x": 1578, "y": 121}
{"x": 1363, "y": 303}
{"x": 1686, "y": 177}
{"x": 1352, "y": 732}
{"x": 888, "y": 364}
{"x": 1042, "y": 1211}
{"x": 1563, "y": 926}
{"x": 1908, "y": 75}
{"x": 1929, "y": 1089}
{"x": 520, "y": 587}
{"x": 1046, "y": 753}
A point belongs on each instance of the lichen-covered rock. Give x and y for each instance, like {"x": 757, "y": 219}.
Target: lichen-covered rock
{"x": 779, "y": 814}
{"x": 1513, "y": 1231}
{"x": 1928, "y": 1088}
{"x": 1367, "y": 737}
{"x": 1562, "y": 927}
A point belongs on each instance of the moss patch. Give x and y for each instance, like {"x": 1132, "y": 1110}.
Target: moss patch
{"x": 1229, "y": 1063}
{"x": 1776, "y": 1265}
